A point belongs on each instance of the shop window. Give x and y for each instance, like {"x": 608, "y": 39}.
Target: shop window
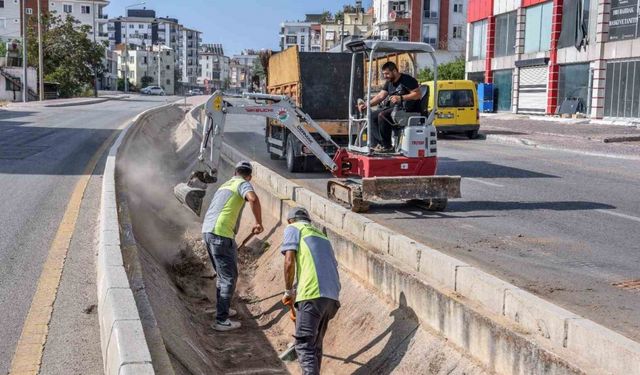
{"x": 505, "y": 39}
{"x": 479, "y": 40}
{"x": 537, "y": 33}
{"x": 573, "y": 82}
{"x": 502, "y": 89}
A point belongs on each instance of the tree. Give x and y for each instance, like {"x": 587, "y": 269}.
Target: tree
{"x": 70, "y": 58}
{"x": 450, "y": 71}
{"x": 146, "y": 81}
{"x": 325, "y": 17}
{"x": 121, "y": 84}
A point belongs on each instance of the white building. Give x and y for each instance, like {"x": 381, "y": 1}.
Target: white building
{"x": 214, "y": 67}
{"x": 11, "y": 83}
{"x": 295, "y": 34}
{"x": 10, "y": 22}
{"x": 189, "y": 50}
{"x": 158, "y": 65}
{"x": 88, "y": 12}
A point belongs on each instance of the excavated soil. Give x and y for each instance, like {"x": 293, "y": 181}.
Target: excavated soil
{"x": 368, "y": 336}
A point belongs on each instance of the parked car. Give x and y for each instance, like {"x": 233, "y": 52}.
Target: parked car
{"x": 152, "y": 90}
{"x": 194, "y": 92}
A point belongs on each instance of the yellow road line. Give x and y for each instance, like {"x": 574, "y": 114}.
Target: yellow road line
{"x": 28, "y": 355}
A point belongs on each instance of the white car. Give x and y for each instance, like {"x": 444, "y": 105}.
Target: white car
{"x": 195, "y": 92}
{"x": 152, "y": 90}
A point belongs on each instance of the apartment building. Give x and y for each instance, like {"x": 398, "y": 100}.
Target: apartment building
{"x": 295, "y": 33}
{"x": 157, "y": 63}
{"x": 440, "y": 23}
{"x": 141, "y": 28}
{"x": 214, "y": 67}
{"x": 357, "y": 24}
{"x": 88, "y": 12}
{"x": 540, "y": 53}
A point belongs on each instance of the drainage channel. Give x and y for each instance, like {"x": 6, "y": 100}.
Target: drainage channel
{"x": 369, "y": 335}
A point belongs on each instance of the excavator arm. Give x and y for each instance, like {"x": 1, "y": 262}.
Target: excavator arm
{"x": 277, "y": 107}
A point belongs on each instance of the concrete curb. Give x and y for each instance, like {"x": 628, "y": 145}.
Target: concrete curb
{"x": 506, "y": 328}
{"x": 78, "y": 102}
{"x": 124, "y": 346}
{"x": 505, "y": 139}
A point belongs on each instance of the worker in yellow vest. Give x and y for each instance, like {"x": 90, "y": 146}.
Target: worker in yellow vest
{"x": 219, "y": 230}
{"x": 309, "y": 259}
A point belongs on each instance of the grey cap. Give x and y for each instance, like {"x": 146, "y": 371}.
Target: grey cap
{"x": 244, "y": 165}
{"x": 298, "y": 213}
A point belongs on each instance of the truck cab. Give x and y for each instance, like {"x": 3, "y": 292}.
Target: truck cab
{"x": 457, "y": 107}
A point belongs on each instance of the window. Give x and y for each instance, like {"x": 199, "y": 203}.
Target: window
{"x": 505, "y": 40}
{"x": 430, "y": 8}
{"x": 479, "y": 40}
{"x": 168, "y": 81}
{"x": 85, "y": 9}
{"x": 1, "y": 3}
{"x": 502, "y": 87}
{"x": 67, "y": 8}
{"x": 537, "y": 32}
{"x": 457, "y": 32}
{"x": 3, "y": 23}
{"x": 140, "y": 26}
{"x": 132, "y": 26}
{"x": 168, "y": 67}
{"x": 455, "y": 98}
{"x": 573, "y": 82}
{"x": 430, "y": 34}
{"x": 302, "y": 40}
{"x": 292, "y": 39}
{"x": 575, "y": 24}
{"x": 457, "y": 7}
{"x": 144, "y": 60}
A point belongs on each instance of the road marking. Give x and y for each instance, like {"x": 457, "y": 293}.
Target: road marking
{"x": 629, "y": 217}
{"x": 482, "y": 182}
{"x": 27, "y": 358}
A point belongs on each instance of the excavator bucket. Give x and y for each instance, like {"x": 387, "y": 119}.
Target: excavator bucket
{"x": 192, "y": 193}
{"x": 190, "y": 196}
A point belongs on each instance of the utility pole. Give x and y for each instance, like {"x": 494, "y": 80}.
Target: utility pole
{"x": 25, "y": 88}
{"x": 40, "y": 55}
{"x": 95, "y": 66}
{"x": 126, "y": 57}
{"x": 159, "y": 70}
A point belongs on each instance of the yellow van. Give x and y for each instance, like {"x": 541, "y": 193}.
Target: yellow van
{"x": 457, "y": 107}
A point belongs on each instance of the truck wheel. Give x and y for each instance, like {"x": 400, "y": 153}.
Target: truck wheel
{"x": 472, "y": 134}
{"x": 294, "y": 163}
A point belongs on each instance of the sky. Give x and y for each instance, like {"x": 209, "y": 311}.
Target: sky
{"x": 237, "y": 24}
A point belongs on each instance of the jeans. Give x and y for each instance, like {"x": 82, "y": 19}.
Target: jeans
{"x": 381, "y": 127}
{"x": 224, "y": 257}
{"x": 312, "y": 320}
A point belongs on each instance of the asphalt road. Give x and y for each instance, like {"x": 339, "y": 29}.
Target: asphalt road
{"x": 561, "y": 225}
{"x": 43, "y": 151}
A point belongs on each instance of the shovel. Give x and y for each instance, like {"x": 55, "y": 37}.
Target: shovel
{"x": 290, "y": 353}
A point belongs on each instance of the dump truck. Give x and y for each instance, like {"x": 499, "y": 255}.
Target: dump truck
{"x": 318, "y": 83}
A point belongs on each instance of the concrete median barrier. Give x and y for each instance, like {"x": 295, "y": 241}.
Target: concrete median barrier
{"x": 124, "y": 347}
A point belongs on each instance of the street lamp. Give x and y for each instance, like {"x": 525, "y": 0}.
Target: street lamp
{"x": 126, "y": 46}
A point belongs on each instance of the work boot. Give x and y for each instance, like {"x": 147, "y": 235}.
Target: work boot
{"x": 227, "y": 325}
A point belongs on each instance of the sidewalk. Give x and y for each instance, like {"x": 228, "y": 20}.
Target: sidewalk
{"x": 574, "y": 135}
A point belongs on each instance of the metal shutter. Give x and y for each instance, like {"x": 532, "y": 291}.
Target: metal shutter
{"x": 533, "y": 90}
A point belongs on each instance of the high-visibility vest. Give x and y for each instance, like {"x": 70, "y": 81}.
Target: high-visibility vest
{"x": 227, "y": 220}
{"x": 316, "y": 265}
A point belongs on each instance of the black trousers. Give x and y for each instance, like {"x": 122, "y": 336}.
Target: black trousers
{"x": 312, "y": 320}
{"x": 381, "y": 129}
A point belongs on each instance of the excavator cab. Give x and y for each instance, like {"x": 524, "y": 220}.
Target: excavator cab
{"x": 359, "y": 126}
